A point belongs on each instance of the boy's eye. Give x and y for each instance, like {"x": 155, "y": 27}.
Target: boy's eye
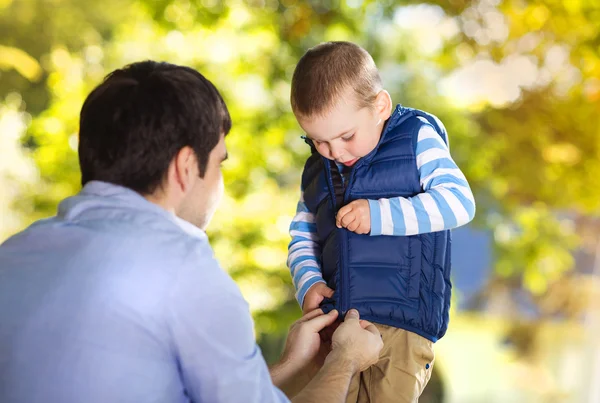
{"x": 348, "y": 138}
{"x": 317, "y": 142}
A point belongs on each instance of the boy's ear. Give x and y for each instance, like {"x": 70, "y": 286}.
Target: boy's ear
{"x": 383, "y": 105}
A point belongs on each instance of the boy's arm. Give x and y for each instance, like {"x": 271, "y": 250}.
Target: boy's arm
{"x": 446, "y": 202}
{"x": 304, "y": 251}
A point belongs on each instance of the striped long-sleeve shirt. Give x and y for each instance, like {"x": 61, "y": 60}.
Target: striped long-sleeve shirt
{"x": 445, "y": 203}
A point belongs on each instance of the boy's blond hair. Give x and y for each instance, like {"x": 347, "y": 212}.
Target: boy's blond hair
{"x": 327, "y": 71}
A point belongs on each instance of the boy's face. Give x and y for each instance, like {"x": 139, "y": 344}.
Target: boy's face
{"x": 346, "y": 133}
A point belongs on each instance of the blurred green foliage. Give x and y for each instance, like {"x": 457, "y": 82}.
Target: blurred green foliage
{"x": 528, "y": 153}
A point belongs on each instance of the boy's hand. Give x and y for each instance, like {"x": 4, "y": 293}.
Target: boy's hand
{"x": 314, "y": 296}
{"x": 355, "y": 217}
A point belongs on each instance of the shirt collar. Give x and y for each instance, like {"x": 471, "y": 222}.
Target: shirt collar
{"x": 136, "y": 200}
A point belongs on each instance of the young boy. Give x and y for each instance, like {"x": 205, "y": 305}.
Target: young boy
{"x": 380, "y": 193}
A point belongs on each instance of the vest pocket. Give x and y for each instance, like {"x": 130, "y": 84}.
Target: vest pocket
{"x": 383, "y": 283}
{"x": 386, "y": 267}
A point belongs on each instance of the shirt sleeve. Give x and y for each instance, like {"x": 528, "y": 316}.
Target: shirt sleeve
{"x": 446, "y": 202}
{"x": 213, "y": 337}
{"x": 304, "y": 251}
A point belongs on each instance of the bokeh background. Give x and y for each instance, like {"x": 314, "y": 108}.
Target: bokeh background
{"x": 515, "y": 81}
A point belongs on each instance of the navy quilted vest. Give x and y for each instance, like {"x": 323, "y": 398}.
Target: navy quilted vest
{"x": 402, "y": 281}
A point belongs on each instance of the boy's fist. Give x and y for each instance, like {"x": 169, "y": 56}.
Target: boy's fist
{"x": 355, "y": 217}
{"x": 314, "y": 296}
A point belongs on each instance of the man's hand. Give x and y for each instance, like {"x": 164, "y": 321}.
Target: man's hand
{"x": 355, "y": 216}
{"x": 303, "y": 342}
{"x": 358, "y": 341}
{"x": 356, "y": 346}
{"x": 314, "y": 296}
{"x": 304, "y": 353}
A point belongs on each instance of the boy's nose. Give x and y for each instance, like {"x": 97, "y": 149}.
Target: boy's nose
{"x": 336, "y": 153}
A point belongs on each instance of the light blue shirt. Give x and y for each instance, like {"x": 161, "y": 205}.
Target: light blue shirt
{"x": 117, "y": 300}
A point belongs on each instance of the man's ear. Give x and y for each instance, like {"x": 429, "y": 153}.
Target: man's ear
{"x": 383, "y": 105}
{"x": 184, "y": 169}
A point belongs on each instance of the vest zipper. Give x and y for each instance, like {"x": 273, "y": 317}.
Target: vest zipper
{"x": 342, "y": 292}
{"x": 343, "y": 274}
{"x": 344, "y": 270}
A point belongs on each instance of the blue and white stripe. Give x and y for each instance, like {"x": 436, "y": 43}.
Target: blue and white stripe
{"x": 304, "y": 251}
{"x": 446, "y": 202}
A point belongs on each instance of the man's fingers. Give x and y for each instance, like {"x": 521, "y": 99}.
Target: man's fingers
{"x": 309, "y": 305}
{"x": 321, "y": 322}
{"x": 312, "y": 314}
{"x": 352, "y": 314}
{"x": 371, "y": 328}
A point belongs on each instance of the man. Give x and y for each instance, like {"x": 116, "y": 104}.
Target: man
{"x": 118, "y": 298}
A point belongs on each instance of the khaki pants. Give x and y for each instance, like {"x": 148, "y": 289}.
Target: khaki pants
{"x": 400, "y": 375}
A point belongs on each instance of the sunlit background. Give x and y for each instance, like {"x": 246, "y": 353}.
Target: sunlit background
{"x": 516, "y": 83}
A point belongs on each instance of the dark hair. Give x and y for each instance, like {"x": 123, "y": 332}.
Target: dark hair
{"x": 326, "y": 71}
{"x": 134, "y": 123}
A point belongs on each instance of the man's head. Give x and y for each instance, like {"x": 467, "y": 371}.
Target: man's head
{"x": 339, "y": 101}
{"x": 158, "y": 129}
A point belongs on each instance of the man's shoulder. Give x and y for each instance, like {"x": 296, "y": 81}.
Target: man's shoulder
{"x": 202, "y": 279}
{"x": 143, "y": 243}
